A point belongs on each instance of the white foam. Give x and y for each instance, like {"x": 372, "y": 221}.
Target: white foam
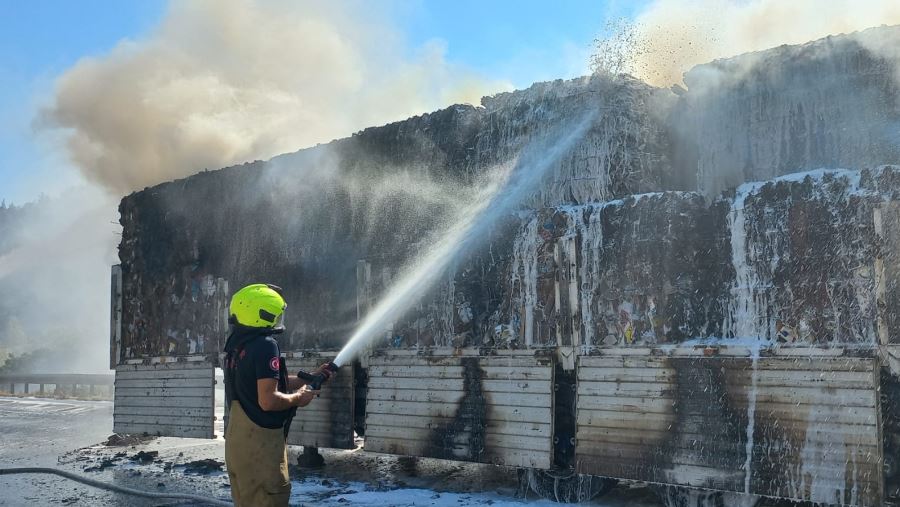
{"x": 312, "y": 492}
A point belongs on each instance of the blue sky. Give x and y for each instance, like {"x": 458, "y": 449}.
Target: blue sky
{"x": 38, "y": 41}
{"x": 522, "y": 41}
{"x": 517, "y": 41}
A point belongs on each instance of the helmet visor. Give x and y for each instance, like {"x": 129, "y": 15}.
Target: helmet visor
{"x": 279, "y": 322}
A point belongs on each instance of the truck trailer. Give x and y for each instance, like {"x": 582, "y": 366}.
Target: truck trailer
{"x": 702, "y": 292}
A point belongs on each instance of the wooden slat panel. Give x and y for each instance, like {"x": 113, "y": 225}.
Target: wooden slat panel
{"x": 497, "y": 412}
{"x": 328, "y": 420}
{"x": 498, "y": 433}
{"x": 160, "y": 375}
{"x": 453, "y": 397}
{"x": 490, "y": 386}
{"x": 824, "y": 458}
{"x": 309, "y": 425}
{"x": 162, "y": 401}
{"x": 154, "y": 410}
{"x": 176, "y": 391}
{"x": 810, "y": 396}
{"x": 163, "y": 418}
{"x": 165, "y": 399}
{"x": 429, "y": 422}
{"x": 163, "y": 383}
{"x": 163, "y": 430}
{"x": 485, "y": 409}
{"x": 167, "y": 366}
{"x": 660, "y": 406}
{"x": 813, "y": 364}
{"x": 844, "y": 379}
{"x": 613, "y": 432}
{"x": 536, "y": 443}
{"x": 496, "y": 455}
{"x": 454, "y": 361}
{"x": 456, "y": 372}
{"x": 720, "y": 461}
{"x": 790, "y": 380}
{"x": 687, "y": 421}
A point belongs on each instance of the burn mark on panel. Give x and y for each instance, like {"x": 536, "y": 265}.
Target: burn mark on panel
{"x": 704, "y": 445}
{"x": 333, "y": 423}
{"x": 708, "y": 431}
{"x": 805, "y": 442}
{"x": 564, "y": 419}
{"x": 817, "y": 450}
{"x": 890, "y": 406}
{"x": 776, "y": 442}
{"x": 361, "y": 379}
{"x": 463, "y": 438}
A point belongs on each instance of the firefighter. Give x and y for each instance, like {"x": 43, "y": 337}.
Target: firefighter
{"x": 261, "y": 399}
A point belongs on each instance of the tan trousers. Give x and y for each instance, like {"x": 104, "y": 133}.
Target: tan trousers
{"x": 256, "y": 459}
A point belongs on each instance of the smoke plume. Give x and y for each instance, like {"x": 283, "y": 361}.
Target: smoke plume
{"x": 225, "y": 81}
{"x": 675, "y": 35}
{"x": 54, "y": 281}
{"x": 218, "y": 82}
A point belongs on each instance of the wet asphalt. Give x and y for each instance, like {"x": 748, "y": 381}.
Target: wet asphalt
{"x": 68, "y": 434}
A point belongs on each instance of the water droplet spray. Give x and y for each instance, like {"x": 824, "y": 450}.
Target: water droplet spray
{"x": 500, "y": 196}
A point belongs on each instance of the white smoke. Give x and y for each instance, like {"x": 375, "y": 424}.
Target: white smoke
{"x": 679, "y": 34}
{"x": 218, "y": 82}
{"x": 226, "y": 81}
{"x": 54, "y": 282}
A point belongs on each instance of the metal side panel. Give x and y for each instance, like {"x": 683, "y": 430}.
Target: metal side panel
{"x": 115, "y": 316}
{"x": 799, "y": 428}
{"x": 172, "y": 399}
{"x": 483, "y": 409}
{"x": 328, "y": 420}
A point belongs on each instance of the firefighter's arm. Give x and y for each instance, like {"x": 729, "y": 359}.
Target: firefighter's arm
{"x": 294, "y": 383}
{"x": 271, "y": 400}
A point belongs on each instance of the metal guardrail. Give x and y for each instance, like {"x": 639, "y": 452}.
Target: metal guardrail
{"x": 59, "y": 380}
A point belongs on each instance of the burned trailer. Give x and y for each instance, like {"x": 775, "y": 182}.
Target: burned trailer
{"x": 642, "y": 316}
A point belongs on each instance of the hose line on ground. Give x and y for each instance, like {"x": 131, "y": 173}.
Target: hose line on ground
{"x": 112, "y": 487}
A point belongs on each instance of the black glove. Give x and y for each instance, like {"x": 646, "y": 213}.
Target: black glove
{"x": 321, "y": 375}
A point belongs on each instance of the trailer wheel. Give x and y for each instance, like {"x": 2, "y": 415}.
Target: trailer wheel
{"x": 678, "y": 496}
{"x": 563, "y": 486}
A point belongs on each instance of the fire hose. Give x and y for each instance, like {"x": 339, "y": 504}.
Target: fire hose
{"x": 315, "y": 381}
{"x": 205, "y": 500}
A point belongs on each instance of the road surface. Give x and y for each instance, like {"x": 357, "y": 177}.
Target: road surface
{"x": 68, "y": 434}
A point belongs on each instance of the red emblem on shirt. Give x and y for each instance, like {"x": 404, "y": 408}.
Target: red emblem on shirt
{"x": 274, "y": 364}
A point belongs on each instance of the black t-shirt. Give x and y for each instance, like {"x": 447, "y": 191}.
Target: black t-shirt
{"x": 257, "y": 359}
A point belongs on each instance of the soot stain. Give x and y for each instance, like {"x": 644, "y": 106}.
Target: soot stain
{"x": 463, "y": 438}
{"x": 708, "y": 431}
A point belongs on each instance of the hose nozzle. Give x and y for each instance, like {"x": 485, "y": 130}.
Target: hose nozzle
{"x": 317, "y": 379}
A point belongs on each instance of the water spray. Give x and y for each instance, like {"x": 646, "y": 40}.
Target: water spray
{"x": 498, "y": 198}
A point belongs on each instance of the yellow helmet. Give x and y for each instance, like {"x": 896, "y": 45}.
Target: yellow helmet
{"x": 257, "y": 305}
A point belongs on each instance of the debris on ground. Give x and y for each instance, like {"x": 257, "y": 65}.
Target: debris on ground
{"x": 145, "y": 457}
{"x": 103, "y": 464}
{"x": 124, "y": 440}
{"x": 203, "y": 466}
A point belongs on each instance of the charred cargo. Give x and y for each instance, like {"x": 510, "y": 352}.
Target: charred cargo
{"x": 688, "y": 298}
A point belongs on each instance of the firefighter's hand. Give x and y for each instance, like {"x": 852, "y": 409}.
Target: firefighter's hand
{"x": 325, "y": 371}
{"x": 305, "y": 395}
